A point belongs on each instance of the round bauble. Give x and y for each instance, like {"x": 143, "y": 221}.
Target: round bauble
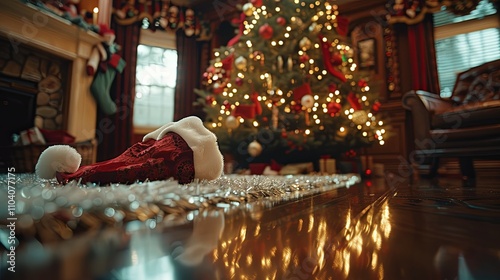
{"x": 256, "y": 3}
{"x": 336, "y": 59}
{"x": 232, "y": 122}
{"x": 307, "y": 101}
{"x": 304, "y": 58}
{"x": 238, "y": 81}
{"x": 240, "y": 62}
{"x": 209, "y": 100}
{"x": 254, "y": 149}
{"x": 248, "y": 9}
{"x": 333, "y": 108}
{"x": 359, "y": 117}
{"x": 266, "y": 31}
{"x": 281, "y": 21}
{"x": 305, "y": 43}
{"x": 376, "y": 106}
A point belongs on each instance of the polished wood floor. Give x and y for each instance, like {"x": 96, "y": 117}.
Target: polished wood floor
{"x": 381, "y": 228}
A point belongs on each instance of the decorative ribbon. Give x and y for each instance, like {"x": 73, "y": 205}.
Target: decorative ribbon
{"x": 249, "y": 111}
{"x": 300, "y": 91}
{"x": 353, "y": 101}
{"x": 236, "y": 38}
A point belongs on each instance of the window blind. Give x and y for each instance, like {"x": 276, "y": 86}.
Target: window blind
{"x": 474, "y": 39}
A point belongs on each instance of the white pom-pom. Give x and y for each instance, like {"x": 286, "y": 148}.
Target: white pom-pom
{"x": 57, "y": 158}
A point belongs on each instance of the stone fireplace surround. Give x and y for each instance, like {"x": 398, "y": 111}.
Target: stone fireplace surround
{"x": 24, "y": 26}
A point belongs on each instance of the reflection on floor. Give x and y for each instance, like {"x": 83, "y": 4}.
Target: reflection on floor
{"x": 381, "y": 228}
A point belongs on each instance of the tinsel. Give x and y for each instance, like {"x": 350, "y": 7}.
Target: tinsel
{"x": 50, "y": 211}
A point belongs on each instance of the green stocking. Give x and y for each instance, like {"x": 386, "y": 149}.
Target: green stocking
{"x": 102, "y": 84}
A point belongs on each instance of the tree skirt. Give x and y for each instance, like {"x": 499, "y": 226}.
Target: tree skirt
{"x": 50, "y": 212}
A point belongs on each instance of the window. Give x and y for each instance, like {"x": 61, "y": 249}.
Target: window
{"x": 156, "y": 75}
{"x": 466, "y": 41}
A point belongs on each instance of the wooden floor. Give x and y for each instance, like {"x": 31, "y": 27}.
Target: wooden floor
{"x": 381, "y": 228}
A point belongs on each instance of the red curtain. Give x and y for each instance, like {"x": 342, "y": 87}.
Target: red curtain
{"x": 115, "y": 132}
{"x": 188, "y": 76}
{"x": 422, "y": 55}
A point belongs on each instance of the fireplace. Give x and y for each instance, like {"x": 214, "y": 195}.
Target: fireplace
{"x": 17, "y": 107}
{"x": 61, "y": 97}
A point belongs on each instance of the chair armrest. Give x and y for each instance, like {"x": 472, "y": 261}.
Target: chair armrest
{"x": 421, "y": 116}
{"x": 433, "y": 102}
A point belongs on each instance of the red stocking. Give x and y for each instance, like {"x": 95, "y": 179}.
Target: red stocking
{"x": 327, "y": 60}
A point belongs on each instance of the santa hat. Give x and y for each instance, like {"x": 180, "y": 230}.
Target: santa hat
{"x": 183, "y": 150}
{"x": 104, "y": 29}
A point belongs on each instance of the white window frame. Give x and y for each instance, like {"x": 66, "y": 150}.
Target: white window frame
{"x": 161, "y": 39}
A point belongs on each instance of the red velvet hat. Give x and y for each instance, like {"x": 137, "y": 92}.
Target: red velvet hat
{"x": 182, "y": 150}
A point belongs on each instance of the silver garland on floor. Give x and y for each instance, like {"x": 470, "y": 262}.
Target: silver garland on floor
{"x": 53, "y": 212}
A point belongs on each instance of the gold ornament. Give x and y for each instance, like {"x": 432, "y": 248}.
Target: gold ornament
{"x": 248, "y": 9}
{"x": 305, "y": 43}
{"x": 232, "y": 122}
{"x": 254, "y": 148}
{"x": 240, "y": 62}
{"x": 359, "y": 117}
{"x": 307, "y": 101}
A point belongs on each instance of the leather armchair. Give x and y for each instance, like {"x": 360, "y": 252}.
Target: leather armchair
{"x": 466, "y": 126}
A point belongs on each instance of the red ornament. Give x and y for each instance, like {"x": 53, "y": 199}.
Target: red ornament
{"x": 332, "y": 87}
{"x": 362, "y": 83}
{"x": 333, "y": 108}
{"x": 284, "y": 134}
{"x": 266, "y": 31}
{"x": 227, "y": 105}
{"x": 336, "y": 59}
{"x": 256, "y": 3}
{"x": 209, "y": 99}
{"x": 304, "y": 58}
{"x": 239, "y": 81}
{"x": 297, "y": 108}
{"x": 211, "y": 69}
{"x": 376, "y": 106}
{"x": 281, "y": 21}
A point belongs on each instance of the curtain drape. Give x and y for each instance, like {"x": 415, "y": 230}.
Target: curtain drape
{"x": 422, "y": 55}
{"x": 188, "y": 76}
{"x": 115, "y": 132}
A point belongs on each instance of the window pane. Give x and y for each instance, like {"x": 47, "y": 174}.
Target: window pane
{"x": 156, "y": 75}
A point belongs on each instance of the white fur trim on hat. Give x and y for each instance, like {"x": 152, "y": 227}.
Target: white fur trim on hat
{"x": 57, "y": 158}
{"x": 208, "y": 161}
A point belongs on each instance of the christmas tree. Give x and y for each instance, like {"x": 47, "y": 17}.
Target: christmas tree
{"x": 286, "y": 88}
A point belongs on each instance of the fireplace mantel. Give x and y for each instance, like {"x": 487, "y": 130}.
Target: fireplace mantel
{"x": 25, "y": 24}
